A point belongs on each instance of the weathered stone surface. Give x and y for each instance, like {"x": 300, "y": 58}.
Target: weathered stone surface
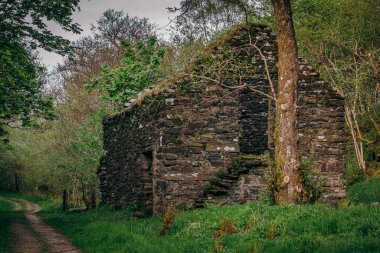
{"x": 180, "y": 145}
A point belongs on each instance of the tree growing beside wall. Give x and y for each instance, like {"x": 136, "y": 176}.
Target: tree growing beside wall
{"x": 286, "y": 154}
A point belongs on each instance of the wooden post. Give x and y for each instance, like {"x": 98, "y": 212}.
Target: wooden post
{"x": 93, "y": 199}
{"x": 64, "y": 200}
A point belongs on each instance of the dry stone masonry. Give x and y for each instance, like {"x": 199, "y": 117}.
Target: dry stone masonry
{"x": 203, "y": 138}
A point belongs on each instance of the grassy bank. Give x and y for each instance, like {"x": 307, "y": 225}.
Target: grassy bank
{"x": 254, "y": 227}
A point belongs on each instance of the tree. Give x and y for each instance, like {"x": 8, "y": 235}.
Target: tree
{"x": 202, "y": 19}
{"x": 22, "y": 29}
{"x": 25, "y": 21}
{"x": 102, "y": 47}
{"x": 140, "y": 67}
{"x": 287, "y": 156}
{"x": 20, "y": 88}
{"x": 116, "y": 26}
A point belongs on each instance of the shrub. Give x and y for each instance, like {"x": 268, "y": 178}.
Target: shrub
{"x": 168, "y": 218}
{"x": 310, "y": 180}
{"x": 226, "y": 227}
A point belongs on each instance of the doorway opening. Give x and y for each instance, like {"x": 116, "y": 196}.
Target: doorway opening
{"x": 145, "y": 162}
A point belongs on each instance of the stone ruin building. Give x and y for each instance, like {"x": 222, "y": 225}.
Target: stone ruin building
{"x": 202, "y": 138}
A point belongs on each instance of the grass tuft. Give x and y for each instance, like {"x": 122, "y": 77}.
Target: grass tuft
{"x": 366, "y": 192}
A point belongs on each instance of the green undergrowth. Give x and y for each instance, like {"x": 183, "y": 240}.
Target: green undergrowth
{"x": 254, "y": 227}
{"x": 366, "y": 192}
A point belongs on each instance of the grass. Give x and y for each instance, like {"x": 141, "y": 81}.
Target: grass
{"x": 6, "y": 206}
{"x": 365, "y": 192}
{"x": 257, "y": 228}
{"x": 254, "y": 227}
{"x": 6, "y": 215}
{"x": 46, "y": 204}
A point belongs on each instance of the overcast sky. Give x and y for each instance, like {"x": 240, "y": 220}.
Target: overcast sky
{"x": 91, "y": 10}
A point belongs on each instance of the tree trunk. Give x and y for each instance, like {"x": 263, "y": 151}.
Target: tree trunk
{"x": 286, "y": 136}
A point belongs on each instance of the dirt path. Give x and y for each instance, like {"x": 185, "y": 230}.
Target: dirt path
{"x": 27, "y": 242}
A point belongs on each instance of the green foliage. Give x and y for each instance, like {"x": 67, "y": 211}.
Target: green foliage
{"x": 85, "y": 149}
{"x": 21, "y": 95}
{"x": 26, "y": 21}
{"x": 353, "y": 172}
{"x": 22, "y": 29}
{"x": 342, "y": 39}
{"x": 365, "y": 192}
{"x": 325, "y": 21}
{"x": 65, "y": 155}
{"x": 140, "y": 67}
{"x": 310, "y": 180}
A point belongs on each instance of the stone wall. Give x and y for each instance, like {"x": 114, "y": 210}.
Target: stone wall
{"x": 128, "y": 146}
{"x": 194, "y": 140}
{"x": 192, "y": 135}
{"x": 321, "y": 134}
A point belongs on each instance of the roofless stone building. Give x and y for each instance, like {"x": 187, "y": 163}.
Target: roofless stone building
{"x": 202, "y": 137}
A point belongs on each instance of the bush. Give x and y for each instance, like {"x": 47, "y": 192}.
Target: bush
{"x": 353, "y": 172}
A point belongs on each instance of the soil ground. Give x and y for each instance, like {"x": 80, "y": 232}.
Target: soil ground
{"x": 35, "y": 236}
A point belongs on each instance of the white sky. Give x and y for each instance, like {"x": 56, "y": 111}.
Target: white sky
{"x": 91, "y": 10}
